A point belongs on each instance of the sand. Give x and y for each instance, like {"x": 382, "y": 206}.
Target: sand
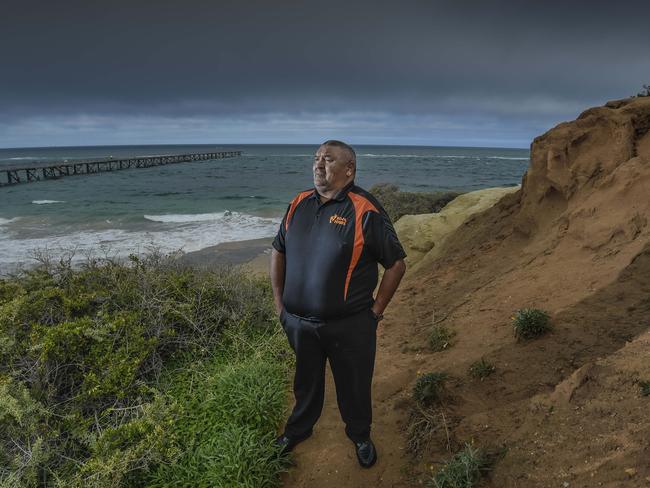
{"x": 253, "y": 255}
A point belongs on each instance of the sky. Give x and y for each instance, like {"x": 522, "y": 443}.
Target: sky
{"x": 439, "y": 73}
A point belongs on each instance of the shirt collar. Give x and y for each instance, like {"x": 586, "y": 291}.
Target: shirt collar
{"x": 339, "y": 197}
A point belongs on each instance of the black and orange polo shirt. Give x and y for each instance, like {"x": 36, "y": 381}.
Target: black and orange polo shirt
{"x": 332, "y": 250}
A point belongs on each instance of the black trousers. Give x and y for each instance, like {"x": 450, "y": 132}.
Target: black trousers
{"x": 349, "y": 344}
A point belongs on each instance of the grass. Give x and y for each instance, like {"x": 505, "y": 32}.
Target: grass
{"x": 440, "y": 338}
{"x": 429, "y": 388}
{"x": 231, "y": 407}
{"x": 645, "y": 388}
{"x": 529, "y": 323}
{"x": 464, "y": 470}
{"x": 481, "y": 369}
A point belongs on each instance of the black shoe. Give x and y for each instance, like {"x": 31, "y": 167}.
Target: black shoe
{"x": 366, "y": 453}
{"x": 286, "y": 443}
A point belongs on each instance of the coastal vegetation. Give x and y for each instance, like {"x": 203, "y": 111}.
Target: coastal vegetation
{"x": 481, "y": 369}
{"x": 427, "y": 424}
{"x": 464, "y": 470}
{"x": 645, "y": 388}
{"x": 428, "y": 388}
{"x": 440, "y": 338}
{"x": 143, "y": 373}
{"x": 398, "y": 203}
{"x": 529, "y": 323}
{"x": 426, "y": 428}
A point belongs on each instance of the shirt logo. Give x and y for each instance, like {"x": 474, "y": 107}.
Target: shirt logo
{"x": 335, "y": 219}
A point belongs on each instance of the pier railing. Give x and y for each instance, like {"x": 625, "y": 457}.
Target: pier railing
{"x": 13, "y": 176}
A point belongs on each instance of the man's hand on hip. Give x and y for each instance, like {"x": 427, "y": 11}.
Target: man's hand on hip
{"x": 389, "y": 283}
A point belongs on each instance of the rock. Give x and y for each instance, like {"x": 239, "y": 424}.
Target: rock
{"x": 423, "y": 235}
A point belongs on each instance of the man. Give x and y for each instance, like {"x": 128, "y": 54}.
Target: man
{"x": 323, "y": 273}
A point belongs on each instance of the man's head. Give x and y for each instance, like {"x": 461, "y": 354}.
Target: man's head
{"x": 335, "y": 165}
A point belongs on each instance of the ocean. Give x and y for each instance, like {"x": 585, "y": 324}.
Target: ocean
{"x": 190, "y": 206}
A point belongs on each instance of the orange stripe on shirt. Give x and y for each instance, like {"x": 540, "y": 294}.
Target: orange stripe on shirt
{"x": 294, "y": 203}
{"x": 361, "y": 206}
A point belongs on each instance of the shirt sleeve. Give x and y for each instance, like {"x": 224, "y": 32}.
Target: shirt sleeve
{"x": 382, "y": 239}
{"x": 278, "y": 242}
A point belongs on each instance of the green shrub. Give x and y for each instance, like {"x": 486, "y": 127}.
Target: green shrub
{"x": 21, "y": 421}
{"x": 462, "y": 471}
{"x": 121, "y": 453}
{"x": 9, "y": 290}
{"x": 529, "y": 323}
{"x": 440, "y": 338}
{"x": 481, "y": 369}
{"x": 428, "y": 388}
{"x": 645, "y": 388}
{"x": 94, "y": 369}
{"x": 398, "y": 203}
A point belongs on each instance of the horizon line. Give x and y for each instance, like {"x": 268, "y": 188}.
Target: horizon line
{"x": 259, "y": 144}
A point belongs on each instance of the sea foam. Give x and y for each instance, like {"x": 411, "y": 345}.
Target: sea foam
{"x": 181, "y": 218}
{"x": 186, "y": 232}
{"x": 507, "y": 157}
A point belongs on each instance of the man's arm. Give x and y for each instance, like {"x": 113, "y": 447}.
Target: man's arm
{"x": 277, "y": 278}
{"x": 389, "y": 283}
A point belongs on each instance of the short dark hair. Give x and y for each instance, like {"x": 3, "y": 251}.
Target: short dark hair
{"x": 347, "y": 147}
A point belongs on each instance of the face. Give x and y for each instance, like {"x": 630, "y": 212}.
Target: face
{"x": 331, "y": 165}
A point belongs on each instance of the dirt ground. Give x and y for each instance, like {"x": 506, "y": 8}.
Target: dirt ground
{"x": 565, "y": 409}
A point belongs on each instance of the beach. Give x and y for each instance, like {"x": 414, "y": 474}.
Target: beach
{"x": 253, "y": 255}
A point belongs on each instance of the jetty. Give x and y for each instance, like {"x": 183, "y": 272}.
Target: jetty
{"x": 39, "y": 172}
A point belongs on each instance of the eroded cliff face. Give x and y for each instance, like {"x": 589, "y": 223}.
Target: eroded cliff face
{"x": 575, "y": 241}
{"x": 604, "y": 148}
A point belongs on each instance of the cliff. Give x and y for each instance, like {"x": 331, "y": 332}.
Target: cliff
{"x": 574, "y": 241}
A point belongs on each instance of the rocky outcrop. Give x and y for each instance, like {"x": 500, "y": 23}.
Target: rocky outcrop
{"x": 423, "y": 235}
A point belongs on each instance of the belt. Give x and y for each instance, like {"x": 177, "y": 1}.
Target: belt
{"x": 334, "y": 319}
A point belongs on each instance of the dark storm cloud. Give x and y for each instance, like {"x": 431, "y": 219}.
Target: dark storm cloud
{"x": 488, "y": 66}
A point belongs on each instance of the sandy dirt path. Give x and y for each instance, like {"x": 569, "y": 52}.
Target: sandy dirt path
{"x": 327, "y": 459}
